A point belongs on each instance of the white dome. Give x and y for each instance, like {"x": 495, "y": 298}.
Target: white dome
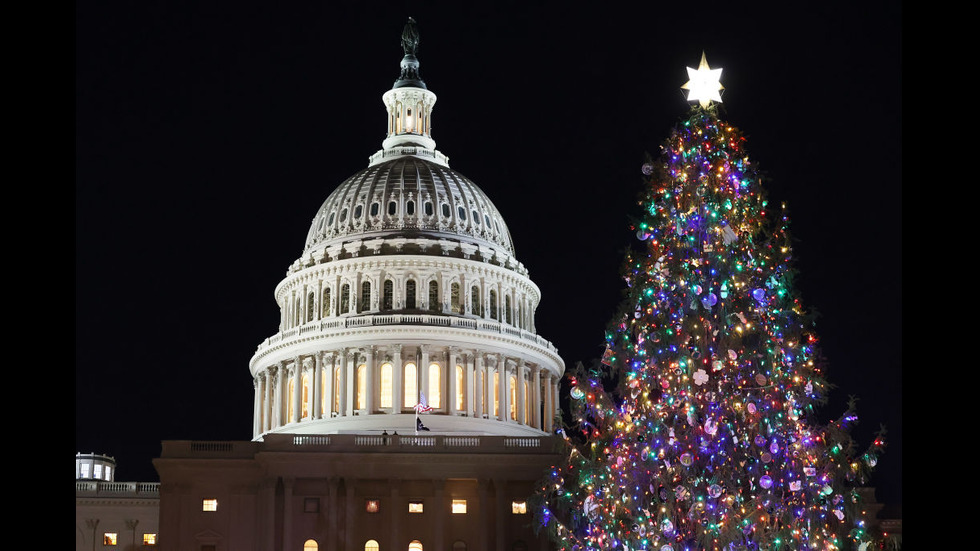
{"x": 407, "y": 288}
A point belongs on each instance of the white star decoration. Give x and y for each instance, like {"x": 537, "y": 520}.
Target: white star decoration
{"x": 705, "y": 83}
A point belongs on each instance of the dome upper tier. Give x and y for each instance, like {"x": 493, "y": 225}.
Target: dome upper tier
{"x": 408, "y": 197}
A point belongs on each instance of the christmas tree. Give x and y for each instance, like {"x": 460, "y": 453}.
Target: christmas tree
{"x": 698, "y": 428}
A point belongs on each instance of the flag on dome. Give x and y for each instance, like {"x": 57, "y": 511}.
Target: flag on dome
{"x": 422, "y": 406}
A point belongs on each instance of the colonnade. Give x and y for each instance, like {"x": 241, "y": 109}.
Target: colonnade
{"x": 388, "y": 379}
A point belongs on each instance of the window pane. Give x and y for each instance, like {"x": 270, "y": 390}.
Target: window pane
{"x": 435, "y": 386}
{"x": 459, "y": 506}
{"x": 411, "y": 385}
{"x": 210, "y": 505}
{"x": 386, "y": 384}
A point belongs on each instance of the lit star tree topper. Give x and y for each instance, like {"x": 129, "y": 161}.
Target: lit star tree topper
{"x": 705, "y": 84}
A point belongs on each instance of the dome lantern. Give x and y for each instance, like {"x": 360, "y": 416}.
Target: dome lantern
{"x": 409, "y": 104}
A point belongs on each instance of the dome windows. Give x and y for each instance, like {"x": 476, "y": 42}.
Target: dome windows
{"x": 392, "y": 208}
{"x": 462, "y": 213}
{"x": 358, "y": 210}
{"x": 445, "y": 210}
{"x": 427, "y": 208}
{"x": 375, "y": 208}
{"x": 410, "y": 208}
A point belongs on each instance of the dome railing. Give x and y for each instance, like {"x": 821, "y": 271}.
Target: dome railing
{"x": 376, "y": 320}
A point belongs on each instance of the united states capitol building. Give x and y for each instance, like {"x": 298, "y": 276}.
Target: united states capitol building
{"x": 404, "y": 399}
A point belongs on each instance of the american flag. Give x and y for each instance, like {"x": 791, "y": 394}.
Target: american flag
{"x": 422, "y": 406}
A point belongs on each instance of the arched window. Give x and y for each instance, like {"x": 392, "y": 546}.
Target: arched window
{"x": 357, "y": 211}
{"x": 435, "y": 385}
{"x": 375, "y": 208}
{"x": 343, "y": 215}
{"x": 461, "y": 212}
{"x": 290, "y": 400}
{"x": 512, "y": 388}
{"x": 410, "y": 294}
{"x": 475, "y": 299}
{"x": 386, "y": 385}
{"x": 507, "y": 309}
{"x": 365, "y": 296}
{"x": 371, "y": 545}
{"x": 310, "y": 545}
{"x": 361, "y": 386}
{"x": 410, "y": 208}
{"x": 416, "y": 545}
{"x": 388, "y": 295}
{"x": 459, "y": 387}
{"x": 459, "y": 546}
{"x": 392, "y": 208}
{"x": 454, "y": 299}
{"x": 493, "y": 304}
{"x": 326, "y": 303}
{"x": 411, "y": 385}
{"x": 445, "y": 210}
{"x": 306, "y": 396}
{"x": 310, "y": 306}
{"x": 427, "y": 208}
{"x": 297, "y": 312}
{"x": 434, "y": 297}
{"x": 345, "y": 298}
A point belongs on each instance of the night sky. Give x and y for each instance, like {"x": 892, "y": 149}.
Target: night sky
{"x": 209, "y": 133}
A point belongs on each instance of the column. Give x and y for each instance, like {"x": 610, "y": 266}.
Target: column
{"x": 536, "y": 396}
{"x": 328, "y": 392}
{"x": 347, "y": 380}
{"x": 521, "y": 393}
{"x": 480, "y": 385}
{"x": 316, "y": 408}
{"x": 471, "y": 382}
{"x": 451, "y": 381}
{"x": 424, "y": 372}
{"x": 397, "y": 379}
{"x": 267, "y": 404}
{"x": 548, "y": 406}
{"x": 297, "y": 389}
{"x": 369, "y": 380}
{"x": 504, "y": 389}
{"x": 257, "y": 407}
{"x": 277, "y": 395}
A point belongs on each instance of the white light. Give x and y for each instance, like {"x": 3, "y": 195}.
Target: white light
{"x": 705, "y": 83}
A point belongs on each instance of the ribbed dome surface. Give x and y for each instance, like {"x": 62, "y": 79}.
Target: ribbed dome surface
{"x": 408, "y": 197}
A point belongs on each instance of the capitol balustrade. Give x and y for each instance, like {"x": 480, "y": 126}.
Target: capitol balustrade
{"x": 376, "y": 320}
{"x": 103, "y": 488}
{"x": 364, "y": 443}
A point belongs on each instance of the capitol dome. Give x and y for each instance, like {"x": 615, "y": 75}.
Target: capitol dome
{"x": 407, "y": 309}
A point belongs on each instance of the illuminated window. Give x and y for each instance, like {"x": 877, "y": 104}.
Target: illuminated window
{"x": 435, "y": 386}
{"x": 372, "y": 505}
{"x": 311, "y": 505}
{"x": 371, "y": 545}
{"x": 323, "y": 391}
{"x": 336, "y": 389}
{"x": 496, "y": 396}
{"x": 518, "y": 507}
{"x": 386, "y": 385}
{"x": 411, "y": 385}
{"x": 306, "y": 396}
{"x": 410, "y": 294}
{"x": 289, "y": 401}
{"x": 512, "y": 384}
{"x": 310, "y": 545}
{"x": 414, "y": 506}
{"x": 361, "y": 386}
{"x": 97, "y": 472}
{"x": 149, "y": 539}
{"x": 110, "y": 538}
{"x": 416, "y": 545}
{"x": 459, "y": 506}
{"x": 85, "y": 467}
{"x": 459, "y": 387}
{"x": 210, "y": 505}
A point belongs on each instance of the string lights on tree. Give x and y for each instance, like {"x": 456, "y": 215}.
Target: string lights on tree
{"x": 698, "y": 428}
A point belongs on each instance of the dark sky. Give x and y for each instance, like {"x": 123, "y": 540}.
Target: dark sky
{"x": 209, "y": 133}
